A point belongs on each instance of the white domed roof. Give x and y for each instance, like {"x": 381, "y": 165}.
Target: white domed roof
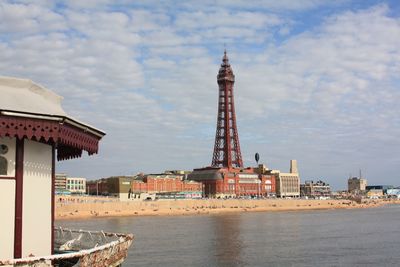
{"x": 23, "y": 95}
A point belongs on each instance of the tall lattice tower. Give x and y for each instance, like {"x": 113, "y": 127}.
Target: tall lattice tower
{"x": 226, "y": 148}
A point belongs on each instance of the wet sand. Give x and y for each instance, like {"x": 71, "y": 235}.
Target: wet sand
{"x": 84, "y": 209}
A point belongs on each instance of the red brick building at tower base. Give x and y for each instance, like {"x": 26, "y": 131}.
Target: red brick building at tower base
{"x": 233, "y": 182}
{"x": 226, "y": 177}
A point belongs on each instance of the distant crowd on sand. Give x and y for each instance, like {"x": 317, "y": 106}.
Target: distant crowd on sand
{"x": 84, "y": 199}
{"x": 96, "y": 207}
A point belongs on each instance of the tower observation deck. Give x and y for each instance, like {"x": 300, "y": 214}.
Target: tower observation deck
{"x": 226, "y": 148}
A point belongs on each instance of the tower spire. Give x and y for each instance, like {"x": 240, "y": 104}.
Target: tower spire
{"x": 225, "y": 59}
{"x": 226, "y": 148}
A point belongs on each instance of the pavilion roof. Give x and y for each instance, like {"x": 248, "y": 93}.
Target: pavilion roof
{"x": 29, "y": 110}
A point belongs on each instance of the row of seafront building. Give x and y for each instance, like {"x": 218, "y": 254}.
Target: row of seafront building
{"x": 358, "y": 186}
{"x": 245, "y": 182}
{"x": 144, "y": 186}
{"x": 178, "y": 184}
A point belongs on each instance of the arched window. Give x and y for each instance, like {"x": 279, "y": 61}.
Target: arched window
{"x": 3, "y": 160}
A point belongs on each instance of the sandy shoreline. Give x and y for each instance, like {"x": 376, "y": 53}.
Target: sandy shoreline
{"x": 209, "y": 206}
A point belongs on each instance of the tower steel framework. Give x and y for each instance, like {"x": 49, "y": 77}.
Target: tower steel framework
{"x": 226, "y": 147}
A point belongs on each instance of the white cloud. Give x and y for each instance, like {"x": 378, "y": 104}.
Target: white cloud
{"x": 344, "y": 58}
{"x": 29, "y": 19}
{"x": 88, "y": 4}
{"x": 111, "y": 26}
{"x": 265, "y": 5}
{"x": 223, "y": 18}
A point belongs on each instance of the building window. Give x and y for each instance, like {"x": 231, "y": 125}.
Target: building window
{"x": 3, "y": 166}
{"x": 3, "y": 160}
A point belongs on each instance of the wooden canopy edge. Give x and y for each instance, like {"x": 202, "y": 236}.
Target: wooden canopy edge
{"x": 70, "y": 140}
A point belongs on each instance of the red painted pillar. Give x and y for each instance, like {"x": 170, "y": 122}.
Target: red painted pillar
{"x": 19, "y": 175}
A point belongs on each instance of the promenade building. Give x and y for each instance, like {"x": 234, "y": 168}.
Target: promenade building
{"x": 287, "y": 184}
{"x": 76, "y": 185}
{"x": 67, "y": 185}
{"x": 379, "y": 191}
{"x": 133, "y": 187}
{"x": 115, "y": 186}
{"x": 356, "y": 185}
{"x": 375, "y": 193}
{"x": 234, "y": 182}
{"x": 97, "y": 187}
{"x": 166, "y": 185}
{"x": 393, "y": 192}
{"x": 60, "y": 183}
{"x": 383, "y": 188}
{"x": 316, "y": 189}
{"x": 156, "y": 183}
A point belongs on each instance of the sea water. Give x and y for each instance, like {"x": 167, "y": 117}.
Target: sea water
{"x": 353, "y": 237}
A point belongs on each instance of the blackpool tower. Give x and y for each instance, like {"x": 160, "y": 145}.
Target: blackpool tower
{"x": 226, "y": 148}
{"x": 226, "y": 177}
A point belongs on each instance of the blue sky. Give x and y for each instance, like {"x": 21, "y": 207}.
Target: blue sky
{"x": 316, "y": 81}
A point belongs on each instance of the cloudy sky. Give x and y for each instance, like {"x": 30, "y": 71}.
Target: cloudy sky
{"x": 317, "y": 81}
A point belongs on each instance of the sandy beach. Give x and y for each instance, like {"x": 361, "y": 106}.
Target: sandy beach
{"x": 98, "y": 208}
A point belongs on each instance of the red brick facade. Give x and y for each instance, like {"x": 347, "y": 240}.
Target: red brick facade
{"x": 99, "y": 187}
{"x": 148, "y": 184}
{"x": 169, "y": 183}
{"x": 234, "y": 182}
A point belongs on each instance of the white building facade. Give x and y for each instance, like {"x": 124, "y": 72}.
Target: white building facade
{"x": 288, "y": 184}
{"x": 76, "y": 185}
